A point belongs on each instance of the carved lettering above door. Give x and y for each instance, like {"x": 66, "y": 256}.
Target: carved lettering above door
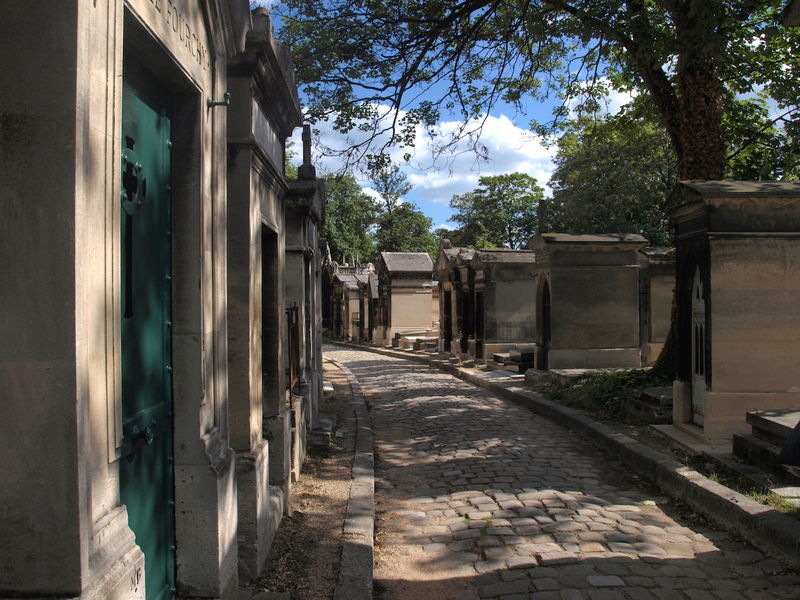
{"x": 180, "y": 26}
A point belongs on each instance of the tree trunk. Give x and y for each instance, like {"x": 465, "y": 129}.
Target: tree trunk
{"x": 692, "y": 110}
{"x": 702, "y": 146}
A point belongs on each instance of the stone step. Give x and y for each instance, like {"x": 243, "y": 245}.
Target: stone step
{"x": 758, "y": 452}
{"x": 648, "y": 411}
{"x": 322, "y": 430}
{"x": 426, "y": 344}
{"x": 761, "y": 448}
{"x": 773, "y": 426}
{"x": 522, "y": 355}
{"x": 501, "y": 357}
{"x": 658, "y": 396}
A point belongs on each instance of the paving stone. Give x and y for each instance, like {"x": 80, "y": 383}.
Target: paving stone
{"x": 549, "y": 507}
{"x": 483, "y": 566}
{"x": 521, "y": 562}
{"x": 605, "y": 580}
{"x": 546, "y": 583}
{"x": 511, "y": 575}
{"x": 604, "y": 595}
{"x": 503, "y": 588}
{"x": 638, "y": 593}
{"x": 545, "y": 596}
{"x": 466, "y": 533}
{"x": 477, "y": 515}
{"x": 498, "y": 553}
{"x": 488, "y": 540}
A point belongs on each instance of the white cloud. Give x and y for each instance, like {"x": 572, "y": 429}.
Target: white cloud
{"x": 437, "y": 179}
{"x": 509, "y": 149}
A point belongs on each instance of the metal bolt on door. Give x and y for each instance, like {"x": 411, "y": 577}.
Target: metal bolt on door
{"x": 146, "y": 471}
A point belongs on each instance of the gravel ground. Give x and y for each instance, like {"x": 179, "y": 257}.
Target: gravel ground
{"x": 304, "y": 559}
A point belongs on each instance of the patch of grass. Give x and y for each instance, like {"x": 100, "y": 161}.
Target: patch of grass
{"x": 734, "y": 481}
{"x": 775, "y": 501}
{"x": 603, "y": 393}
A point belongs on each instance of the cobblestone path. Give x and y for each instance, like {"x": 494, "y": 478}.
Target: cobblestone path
{"x": 479, "y": 498}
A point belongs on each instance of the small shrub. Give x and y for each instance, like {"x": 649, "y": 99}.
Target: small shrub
{"x": 603, "y": 393}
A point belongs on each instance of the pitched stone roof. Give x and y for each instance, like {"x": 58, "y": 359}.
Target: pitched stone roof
{"x": 504, "y": 255}
{"x": 408, "y": 262}
{"x": 349, "y": 280}
{"x": 593, "y": 238}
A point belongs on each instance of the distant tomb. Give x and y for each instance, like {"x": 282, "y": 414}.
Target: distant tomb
{"x": 404, "y": 295}
{"x": 504, "y": 288}
{"x": 587, "y": 301}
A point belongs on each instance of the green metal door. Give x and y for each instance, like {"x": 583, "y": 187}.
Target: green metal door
{"x": 146, "y": 472}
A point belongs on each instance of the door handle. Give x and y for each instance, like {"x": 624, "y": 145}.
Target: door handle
{"x": 139, "y": 440}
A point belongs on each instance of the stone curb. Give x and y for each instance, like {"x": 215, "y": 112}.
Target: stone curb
{"x": 355, "y": 569}
{"x": 767, "y": 529}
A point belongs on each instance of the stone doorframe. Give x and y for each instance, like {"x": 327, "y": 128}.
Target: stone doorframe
{"x": 204, "y": 472}
{"x": 544, "y": 325}
{"x": 693, "y": 346}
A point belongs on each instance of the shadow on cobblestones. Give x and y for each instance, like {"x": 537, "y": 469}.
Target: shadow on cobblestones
{"x": 481, "y": 498}
{"x": 707, "y": 576}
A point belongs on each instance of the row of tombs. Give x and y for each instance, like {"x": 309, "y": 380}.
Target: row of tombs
{"x": 159, "y": 298}
{"x": 605, "y": 301}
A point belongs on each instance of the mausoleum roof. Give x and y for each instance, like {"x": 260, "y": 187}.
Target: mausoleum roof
{"x": 593, "y": 238}
{"x": 409, "y": 262}
{"x": 504, "y": 255}
{"x": 349, "y": 280}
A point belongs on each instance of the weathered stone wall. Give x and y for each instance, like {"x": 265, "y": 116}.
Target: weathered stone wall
{"x": 65, "y": 532}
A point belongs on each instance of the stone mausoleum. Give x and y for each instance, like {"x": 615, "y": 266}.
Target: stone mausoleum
{"x": 738, "y": 300}
{"x": 161, "y": 288}
{"x": 587, "y": 301}
{"x": 405, "y": 300}
{"x": 503, "y": 288}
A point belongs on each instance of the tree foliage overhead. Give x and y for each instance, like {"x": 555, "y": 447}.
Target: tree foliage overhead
{"x": 358, "y": 227}
{"x": 500, "y": 212}
{"x": 349, "y": 216}
{"x": 614, "y": 176}
{"x": 401, "y": 226}
{"x": 405, "y": 229}
{"x": 383, "y": 67}
{"x": 391, "y": 184}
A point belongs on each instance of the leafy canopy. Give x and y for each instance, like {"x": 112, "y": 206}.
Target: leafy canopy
{"x": 500, "y": 212}
{"x": 359, "y": 227}
{"x": 379, "y": 69}
{"x": 349, "y": 216}
{"x": 405, "y": 229}
{"x": 614, "y": 176}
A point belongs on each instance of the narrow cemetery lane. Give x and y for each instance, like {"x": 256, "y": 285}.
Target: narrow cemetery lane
{"x": 479, "y": 498}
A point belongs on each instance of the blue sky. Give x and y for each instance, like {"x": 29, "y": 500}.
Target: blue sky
{"x": 511, "y": 147}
